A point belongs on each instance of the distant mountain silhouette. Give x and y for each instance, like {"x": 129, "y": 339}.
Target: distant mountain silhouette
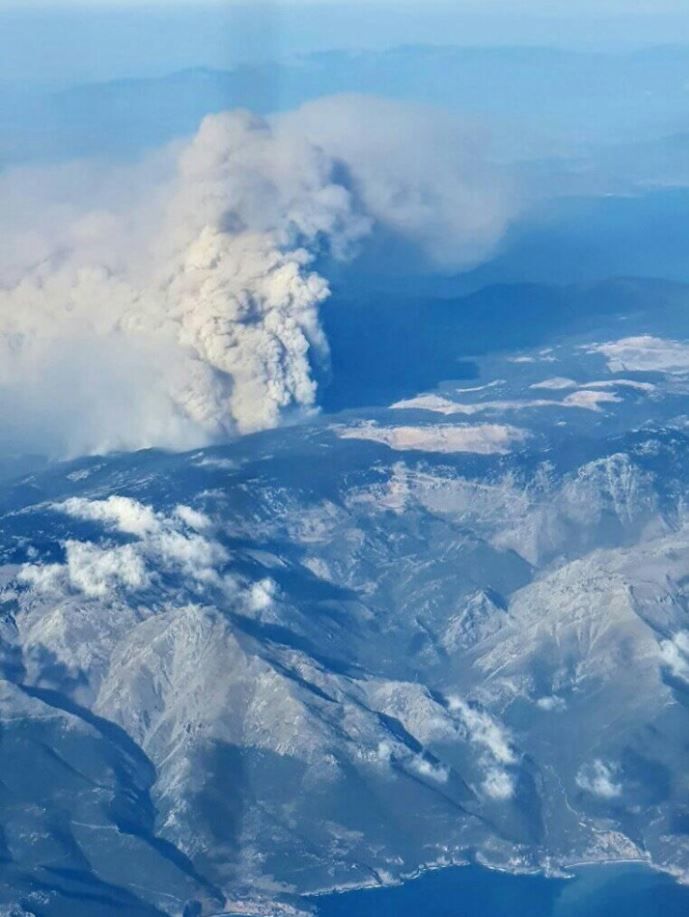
{"x": 548, "y": 91}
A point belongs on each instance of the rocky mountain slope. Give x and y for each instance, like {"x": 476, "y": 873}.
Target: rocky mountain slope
{"x": 454, "y": 630}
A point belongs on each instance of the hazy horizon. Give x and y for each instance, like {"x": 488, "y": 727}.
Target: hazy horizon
{"x": 57, "y": 44}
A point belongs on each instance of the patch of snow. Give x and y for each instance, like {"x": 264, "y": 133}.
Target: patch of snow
{"x": 557, "y": 383}
{"x": 482, "y": 439}
{"x": 589, "y": 400}
{"x": 645, "y": 353}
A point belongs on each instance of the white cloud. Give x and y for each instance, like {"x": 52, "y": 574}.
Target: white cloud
{"x": 192, "y": 517}
{"x": 425, "y": 768}
{"x": 599, "y": 778}
{"x": 484, "y": 730}
{"x": 483, "y": 439}
{"x": 90, "y": 569}
{"x": 42, "y": 577}
{"x": 555, "y": 384}
{"x": 675, "y": 655}
{"x": 383, "y": 753}
{"x": 552, "y": 703}
{"x": 495, "y": 744}
{"x": 164, "y": 544}
{"x": 96, "y": 571}
{"x": 498, "y": 784}
{"x": 262, "y": 595}
{"x": 121, "y": 513}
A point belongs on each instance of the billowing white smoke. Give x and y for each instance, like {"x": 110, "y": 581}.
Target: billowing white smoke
{"x": 175, "y": 302}
{"x": 214, "y": 302}
{"x": 418, "y": 171}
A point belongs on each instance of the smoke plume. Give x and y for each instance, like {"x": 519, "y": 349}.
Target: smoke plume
{"x": 175, "y": 301}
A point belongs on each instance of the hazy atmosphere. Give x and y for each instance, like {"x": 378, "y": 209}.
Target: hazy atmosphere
{"x": 64, "y": 43}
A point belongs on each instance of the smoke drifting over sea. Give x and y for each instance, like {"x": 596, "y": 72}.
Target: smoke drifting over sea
{"x": 175, "y": 301}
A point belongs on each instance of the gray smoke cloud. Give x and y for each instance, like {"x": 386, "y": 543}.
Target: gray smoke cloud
{"x": 419, "y": 171}
{"x": 175, "y": 301}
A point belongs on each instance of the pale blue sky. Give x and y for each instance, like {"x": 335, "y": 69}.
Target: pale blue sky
{"x": 73, "y": 41}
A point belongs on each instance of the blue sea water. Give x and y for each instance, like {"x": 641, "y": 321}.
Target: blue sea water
{"x": 610, "y": 891}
